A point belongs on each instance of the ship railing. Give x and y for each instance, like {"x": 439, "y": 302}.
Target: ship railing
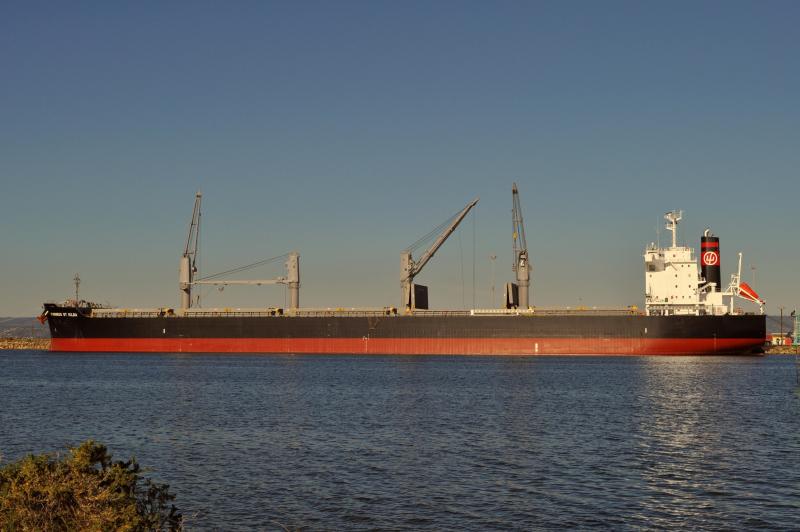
{"x": 348, "y": 312}
{"x": 243, "y": 312}
{"x": 558, "y": 311}
{"x": 419, "y": 312}
{"x": 229, "y": 312}
{"x": 193, "y": 313}
{"x": 581, "y": 310}
{"x": 678, "y": 309}
{"x": 126, "y": 313}
{"x": 499, "y": 311}
{"x": 82, "y": 303}
{"x": 351, "y": 312}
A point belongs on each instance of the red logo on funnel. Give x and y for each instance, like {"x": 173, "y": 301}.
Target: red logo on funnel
{"x": 710, "y": 258}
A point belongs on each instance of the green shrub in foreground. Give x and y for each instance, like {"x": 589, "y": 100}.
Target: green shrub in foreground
{"x": 83, "y": 491}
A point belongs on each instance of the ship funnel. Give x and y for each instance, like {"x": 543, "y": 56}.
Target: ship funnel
{"x": 709, "y": 259}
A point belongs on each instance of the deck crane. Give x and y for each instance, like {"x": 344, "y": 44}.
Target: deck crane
{"x": 188, "y": 266}
{"x": 291, "y": 279}
{"x": 409, "y": 268}
{"x": 521, "y": 264}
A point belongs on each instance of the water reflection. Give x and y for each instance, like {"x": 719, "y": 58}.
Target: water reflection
{"x": 692, "y": 436}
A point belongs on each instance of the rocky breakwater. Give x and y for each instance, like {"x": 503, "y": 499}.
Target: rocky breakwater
{"x": 782, "y": 349}
{"x": 25, "y": 343}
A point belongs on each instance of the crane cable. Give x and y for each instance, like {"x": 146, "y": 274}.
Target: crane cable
{"x": 433, "y": 233}
{"x": 243, "y": 268}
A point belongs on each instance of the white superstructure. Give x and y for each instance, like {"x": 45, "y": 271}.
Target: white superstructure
{"x": 674, "y": 284}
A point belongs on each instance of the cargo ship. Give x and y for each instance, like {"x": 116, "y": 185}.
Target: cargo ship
{"x": 686, "y": 312}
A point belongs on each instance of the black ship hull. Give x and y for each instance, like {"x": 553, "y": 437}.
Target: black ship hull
{"x": 74, "y": 329}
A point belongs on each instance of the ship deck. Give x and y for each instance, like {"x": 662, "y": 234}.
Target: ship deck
{"x": 350, "y": 312}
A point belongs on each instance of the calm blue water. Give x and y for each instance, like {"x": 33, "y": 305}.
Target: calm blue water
{"x": 325, "y": 442}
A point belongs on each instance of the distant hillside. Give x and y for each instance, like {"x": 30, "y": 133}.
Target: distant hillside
{"x": 774, "y": 324}
{"x": 23, "y": 328}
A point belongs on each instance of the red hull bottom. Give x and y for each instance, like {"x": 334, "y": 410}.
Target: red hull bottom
{"x": 418, "y": 346}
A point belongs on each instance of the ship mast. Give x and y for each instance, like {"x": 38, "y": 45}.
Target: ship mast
{"x": 188, "y": 264}
{"x": 672, "y": 218}
{"x": 521, "y": 265}
{"x": 77, "y": 281}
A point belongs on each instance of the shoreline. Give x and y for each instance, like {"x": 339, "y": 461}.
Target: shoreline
{"x": 782, "y": 350}
{"x": 26, "y": 344}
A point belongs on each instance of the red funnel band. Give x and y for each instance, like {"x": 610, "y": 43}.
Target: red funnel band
{"x": 747, "y": 292}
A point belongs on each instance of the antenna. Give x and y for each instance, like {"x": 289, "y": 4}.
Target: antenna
{"x": 658, "y": 234}
{"x": 492, "y": 258}
{"x": 77, "y": 280}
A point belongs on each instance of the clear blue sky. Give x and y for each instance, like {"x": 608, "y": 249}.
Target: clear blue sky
{"x": 346, "y": 130}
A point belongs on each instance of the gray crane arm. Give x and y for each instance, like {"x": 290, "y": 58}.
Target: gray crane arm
{"x": 188, "y": 264}
{"x": 423, "y": 260}
{"x": 520, "y": 244}
{"x": 194, "y": 228}
{"x": 521, "y": 264}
